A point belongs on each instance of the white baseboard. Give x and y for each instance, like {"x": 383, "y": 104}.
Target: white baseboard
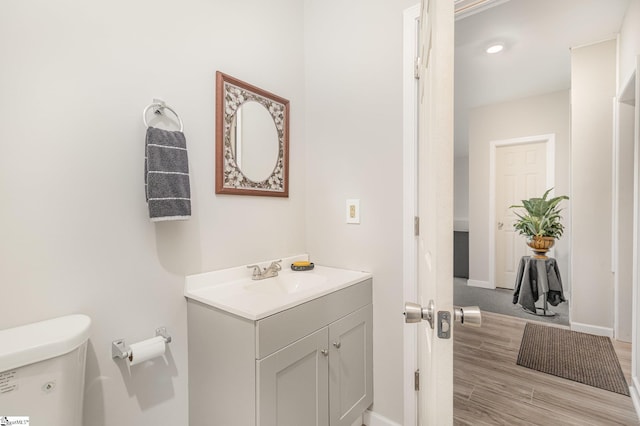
{"x": 358, "y": 421}
{"x": 374, "y": 419}
{"x": 461, "y": 224}
{"x": 635, "y": 396}
{"x": 592, "y": 329}
{"x": 482, "y": 284}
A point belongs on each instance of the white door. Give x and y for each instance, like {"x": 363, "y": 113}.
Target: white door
{"x": 435, "y": 207}
{"x": 521, "y": 173}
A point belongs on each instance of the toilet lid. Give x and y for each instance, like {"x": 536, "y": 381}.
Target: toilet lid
{"x": 24, "y": 345}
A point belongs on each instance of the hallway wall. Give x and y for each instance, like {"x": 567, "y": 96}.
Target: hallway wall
{"x": 537, "y": 115}
{"x": 461, "y": 194}
{"x": 593, "y": 78}
{"x": 629, "y": 42}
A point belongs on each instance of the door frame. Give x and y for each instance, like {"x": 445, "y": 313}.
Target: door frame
{"x": 410, "y": 188}
{"x": 635, "y": 325}
{"x": 550, "y": 141}
{"x": 627, "y": 96}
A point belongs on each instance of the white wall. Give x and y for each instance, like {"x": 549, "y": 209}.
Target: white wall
{"x": 593, "y": 71}
{"x": 461, "y": 194}
{"x": 354, "y": 133}
{"x": 629, "y": 41}
{"x": 74, "y": 225}
{"x": 537, "y": 115}
{"x": 74, "y": 230}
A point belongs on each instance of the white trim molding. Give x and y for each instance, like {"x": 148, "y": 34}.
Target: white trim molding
{"x": 592, "y": 329}
{"x": 550, "y": 140}
{"x": 635, "y": 322}
{"x": 409, "y": 211}
{"x": 465, "y": 8}
{"x": 635, "y": 396}
{"x": 374, "y": 419}
{"x": 615, "y": 226}
{"x": 481, "y": 284}
{"x": 461, "y": 224}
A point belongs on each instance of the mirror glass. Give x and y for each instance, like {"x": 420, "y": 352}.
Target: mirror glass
{"x": 252, "y": 140}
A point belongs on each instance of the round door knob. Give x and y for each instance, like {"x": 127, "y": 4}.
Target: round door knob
{"x": 337, "y": 345}
{"x": 416, "y": 313}
{"x": 468, "y": 315}
{"x": 412, "y": 312}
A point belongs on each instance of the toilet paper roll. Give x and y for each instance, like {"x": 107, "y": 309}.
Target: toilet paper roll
{"x": 146, "y": 350}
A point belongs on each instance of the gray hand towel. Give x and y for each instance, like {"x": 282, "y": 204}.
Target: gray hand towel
{"x": 166, "y": 175}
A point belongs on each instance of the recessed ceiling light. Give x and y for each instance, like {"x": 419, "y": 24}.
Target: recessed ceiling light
{"x": 495, "y": 48}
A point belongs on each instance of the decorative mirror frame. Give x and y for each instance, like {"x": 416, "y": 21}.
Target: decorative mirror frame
{"x": 231, "y": 93}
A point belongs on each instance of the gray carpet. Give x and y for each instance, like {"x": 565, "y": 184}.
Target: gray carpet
{"x": 499, "y": 301}
{"x": 572, "y": 355}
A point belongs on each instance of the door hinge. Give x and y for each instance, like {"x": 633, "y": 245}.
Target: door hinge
{"x": 416, "y": 68}
{"x": 416, "y": 226}
{"x": 416, "y": 380}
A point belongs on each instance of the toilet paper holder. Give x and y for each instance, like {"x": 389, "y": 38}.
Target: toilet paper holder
{"x": 119, "y": 349}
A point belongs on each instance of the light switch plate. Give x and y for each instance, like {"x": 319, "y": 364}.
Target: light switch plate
{"x": 353, "y": 211}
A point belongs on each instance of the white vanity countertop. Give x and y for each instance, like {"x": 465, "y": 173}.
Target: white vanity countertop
{"x": 234, "y": 291}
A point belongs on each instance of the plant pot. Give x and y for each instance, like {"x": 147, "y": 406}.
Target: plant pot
{"x": 540, "y": 246}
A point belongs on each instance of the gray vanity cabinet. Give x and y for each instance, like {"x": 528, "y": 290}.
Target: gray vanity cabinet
{"x": 322, "y": 379}
{"x": 307, "y": 365}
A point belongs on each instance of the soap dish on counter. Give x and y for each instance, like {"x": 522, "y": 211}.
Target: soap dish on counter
{"x": 306, "y": 267}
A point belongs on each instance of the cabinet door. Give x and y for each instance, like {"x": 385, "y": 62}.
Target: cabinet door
{"x": 292, "y": 384}
{"x": 350, "y": 366}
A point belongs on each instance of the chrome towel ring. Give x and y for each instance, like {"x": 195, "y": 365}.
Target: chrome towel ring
{"x": 159, "y": 106}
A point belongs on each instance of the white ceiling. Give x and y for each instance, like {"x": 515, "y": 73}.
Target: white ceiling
{"x": 538, "y": 35}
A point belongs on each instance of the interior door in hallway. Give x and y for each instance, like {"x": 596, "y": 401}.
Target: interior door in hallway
{"x": 521, "y": 173}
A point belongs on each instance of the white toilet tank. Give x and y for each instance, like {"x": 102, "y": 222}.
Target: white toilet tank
{"x": 42, "y": 371}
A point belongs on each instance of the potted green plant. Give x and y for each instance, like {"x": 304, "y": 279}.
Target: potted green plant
{"x": 540, "y": 222}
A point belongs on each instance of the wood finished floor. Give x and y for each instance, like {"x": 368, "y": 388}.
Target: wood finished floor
{"x": 490, "y": 389}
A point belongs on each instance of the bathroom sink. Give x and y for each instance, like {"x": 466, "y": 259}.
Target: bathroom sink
{"x": 232, "y": 290}
{"x": 287, "y": 283}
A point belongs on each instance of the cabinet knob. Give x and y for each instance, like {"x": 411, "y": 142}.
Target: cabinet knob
{"x": 337, "y": 345}
{"x": 324, "y": 352}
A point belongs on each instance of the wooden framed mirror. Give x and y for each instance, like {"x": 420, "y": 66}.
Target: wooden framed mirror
{"x": 252, "y": 140}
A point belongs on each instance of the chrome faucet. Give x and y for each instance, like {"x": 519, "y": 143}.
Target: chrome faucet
{"x": 268, "y": 272}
